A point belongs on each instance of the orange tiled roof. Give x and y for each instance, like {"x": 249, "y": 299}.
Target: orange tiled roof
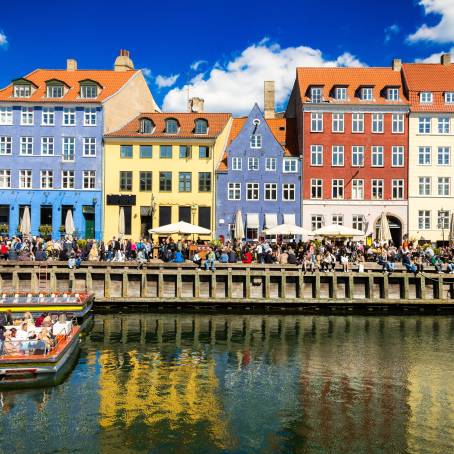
{"x": 433, "y": 77}
{"x": 186, "y": 120}
{"x": 110, "y": 81}
{"x": 353, "y": 79}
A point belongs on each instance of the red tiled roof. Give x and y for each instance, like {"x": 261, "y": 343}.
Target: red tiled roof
{"x": 186, "y": 120}
{"x": 110, "y": 81}
{"x": 353, "y": 79}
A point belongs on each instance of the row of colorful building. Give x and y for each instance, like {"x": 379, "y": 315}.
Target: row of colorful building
{"x": 352, "y": 143}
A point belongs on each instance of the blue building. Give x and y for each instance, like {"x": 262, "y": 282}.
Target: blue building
{"x": 260, "y": 174}
{"x": 52, "y": 124}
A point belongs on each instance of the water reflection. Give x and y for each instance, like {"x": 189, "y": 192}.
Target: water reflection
{"x": 199, "y": 383}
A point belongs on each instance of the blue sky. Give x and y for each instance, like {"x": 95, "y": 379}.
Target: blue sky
{"x": 222, "y": 50}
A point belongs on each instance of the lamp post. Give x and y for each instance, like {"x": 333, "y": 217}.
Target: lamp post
{"x": 193, "y": 211}
{"x": 441, "y": 223}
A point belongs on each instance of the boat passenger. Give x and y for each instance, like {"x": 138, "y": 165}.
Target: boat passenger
{"x": 61, "y": 327}
{"x": 28, "y": 318}
{"x": 40, "y": 319}
{"x": 47, "y": 322}
{"x": 10, "y": 346}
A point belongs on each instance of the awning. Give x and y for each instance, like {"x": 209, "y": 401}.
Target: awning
{"x": 270, "y": 220}
{"x": 145, "y": 211}
{"x": 88, "y": 209}
{"x": 290, "y": 219}
{"x": 252, "y": 220}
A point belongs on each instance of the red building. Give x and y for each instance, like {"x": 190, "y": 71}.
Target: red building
{"x": 353, "y": 135}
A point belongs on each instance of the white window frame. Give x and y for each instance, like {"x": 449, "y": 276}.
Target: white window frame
{"x": 237, "y": 163}
{"x": 48, "y": 116}
{"x": 377, "y": 184}
{"x": 234, "y": 189}
{"x": 68, "y": 179}
{"x": 288, "y": 192}
{"x": 358, "y": 153}
{"x": 255, "y": 141}
{"x": 341, "y": 93}
{"x": 424, "y": 186}
{"x": 89, "y": 143}
{"x": 359, "y": 222}
{"x": 27, "y": 116}
{"x": 424, "y": 219}
{"x": 316, "y": 153}
{"x": 398, "y": 123}
{"x": 316, "y": 94}
{"x": 290, "y": 165}
{"x": 424, "y": 156}
{"x": 6, "y": 115}
{"x": 5, "y": 179}
{"x": 378, "y": 154}
{"x": 47, "y": 146}
{"x": 255, "y": 191}
{"x": 426, "y": 97}
{"x": 444, "y": 125}
{"x": 25, "y": 179}
{"x": 270, "y": 189}
{"x": 358, "y": 123}
{"x": 424, "y": 125}
{"x": 398, "y": 185}
{"x": 449, "y": 97}
{"x": 6, "y": 145}
{"x": 338, "y": 123}
{"x": 90, "y": 116}
{"x": 270, "y": 164}
{"x": 338, "y": 183}
{"x": 69, "y": 116}
{"x": 442, "y": 152}
{"x": 316, "y": 221}
{"x": 71, "y": 141}
{"x": 444, "y": 186}
{"x": 253, "y": 164}
{"x": 367, "y": 93}
{"x": 55, "y": 91}
{"x": 317, "y": 185}
{"x": 337, "y": 219}
{"x": 316, "y": 122}
{"x": 378, "y": 123}
{"x": 22, "y": 91}
{"x": 357, "y": 189}
{"x": 339, "y": 152}
{"x": 46, "y": 176}
{"x": 398, "y": 151}
{"x": 26, "y": 146}
{"x": 88, "y": 89}
{"x": 392, "y": 94}
{"x": 89, "y": 179}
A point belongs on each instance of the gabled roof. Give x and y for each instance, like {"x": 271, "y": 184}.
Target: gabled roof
{"x": 186, "y": 120}
{"x": 111, "y": 81}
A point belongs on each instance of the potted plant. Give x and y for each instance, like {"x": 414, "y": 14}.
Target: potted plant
{"x": 4, "y": 228}
{"x": 45, "y": 229}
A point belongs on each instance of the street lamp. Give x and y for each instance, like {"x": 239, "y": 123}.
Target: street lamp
{"x": 441, "y": 223}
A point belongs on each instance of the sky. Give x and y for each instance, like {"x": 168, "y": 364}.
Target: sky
{"x": 221, "y": 51}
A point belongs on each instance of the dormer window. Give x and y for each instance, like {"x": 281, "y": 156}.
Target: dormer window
{"x": 201, "y": 126}
{"x": 425, "y": 97}
{"x": 89, "y": 91}
{"x": 316, "y": 94}
{"x": 392, "y": 94}
{"x": 171, "y": 126}
{"x": 366, "y": 94}
{"x": 340, "y": 93}
{"x": 54, "y": 90}
{"x": 22, "y": 90}
{"x": 449, "y": 97}
{"x": 146, "y": 126}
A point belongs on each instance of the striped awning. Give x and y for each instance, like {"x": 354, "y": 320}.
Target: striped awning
{"x": 252, "y": 220}
{"x": 270, "y": 220}
{"x": 290, "y": 219}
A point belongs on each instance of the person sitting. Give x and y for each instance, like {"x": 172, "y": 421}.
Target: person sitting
{"x": 61, "y": 327}
{"x": 210, "y": 260}
{"x": 344, "y": 262}
{"x": 408, "y": 264}
{"x": 224, "y": 258}
{"x": 197, "y": 260}
{"x": 283, "y": 257}
{"x": 11, "y": 345}
{"x": 47, "y": 322}
{"x": 233, "y": 257}
{"x": 178, "y": 257}
{"x": 291, "y": 258}
{"x": 40, "y": 319}
{"x": 247, "y": 257}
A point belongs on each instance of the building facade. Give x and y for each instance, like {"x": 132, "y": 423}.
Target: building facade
{"x": 160, "y": 170}
{"x": 51, "y": 129}
{"x": 431, "y": 143}
{"x": 353, "y": 135}
{"x": 260, "y": 174}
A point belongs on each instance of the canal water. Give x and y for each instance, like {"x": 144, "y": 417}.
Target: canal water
{"x": 166, "y": 383}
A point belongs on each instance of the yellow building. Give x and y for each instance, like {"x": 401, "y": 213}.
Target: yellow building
{"x": 160, "y": 169}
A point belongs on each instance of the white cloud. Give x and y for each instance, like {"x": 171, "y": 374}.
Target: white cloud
{"x": 197, "y": 64}
{"x": 443, "y": 31}
{"x": 164, "y": 81}
{"x": 435, "y": 58}
{"x": 3, "y": 39}
{"x": 146, "y": 73}
{"x": 390, "y": 31}
{"x": 236, "y": 85}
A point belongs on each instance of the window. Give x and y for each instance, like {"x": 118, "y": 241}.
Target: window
{"x": 171, "y": 126}
{"x": 204, "y": 152}
{"x": 316, "y": 94}
{"x": 337, "y": 189}
{"x": 337, "y": 158}
{"x": 47, "y": 146}
{"x": 89, "y": 91}
{"x": 357, "y": 189}
{"x": 201, "y": 126}
{"x": 377, "y": 122}
{"x": 26, "y": 117}
{"x": 443, "y": 156}
{"x": 47, "y": 179}
{"x": 425, "y": 97}
{"x": 377, "y": 189}
{"x": 270, "y": 164}
{"x": 234, "y": 191}
{"x": 89, "y": 179}
{"x": 366, "y": 94}
{"x": 67, "y": 179}
{"x": 146, "y": 126}
{"x": 424, "y": 184}
{"x": 90, "y": 116}
{"x": 204, "y": 181}
{"x": 5, "y": 179}
{"x": 185, "y": 152}
{"x": 165, "y": 181}
{"x": 253, "y": 163}
{"x": 338, "y": 122}
{"x": 444, "y": 186}
{"x": 22, "y": 90}
{"x": 25, "y": 179}
{"x": 398, "y": 123}
{"x": 397, "y": 189}
{"x": 69, "y": 149}
{"x": 290, "y": 165}
{"x": 288, "y": 192}
{"x": 359, "y": 222}
{"x": 26, "y": 146}
{"x": 377, "y": 156}
{"x": 6, "y": 115}
{"x": 316, "y": 188}
{"x": 357, "y": 122}
{"x": 125, "y": 151}
{"x": 48, "y": 116}
{"x": 316, "y": 155}
{"x": 185, "y": 182}
{"x": 424, "y": 156}
{"x": 443, "y": 125}
{"x": 89, "y": 149}
{"x": 270, "y": 191}
{"x": 54, "y": 91}
{"x": 316, "y": 122}
{"x": 256, "y": 141}
{"x": 357, "y": 156}
{"x": 424, "y": 219}
{"x": 340, "y": 93}
{"x": 146, "y": 151}
{"x": 449, "y": 97}
{"x": 443, "y": 219}
{"x": 397, "y": 156}
{"x": 165, "y": 151}
{"x": 316, "y": 221}
{"x": 237, "y": 163}
{"x": 252, "y": 191}
{"x": 392, "y": 94}
{"x": 6, "y": 145}
{"x": 424, "y": 125}
{"x": 338, "y": 219}
{"x": 145, "y": 181}
{"x": 204, "y": 217}
{"x": 125, "y": 180}
{"x": 69, "y": 116}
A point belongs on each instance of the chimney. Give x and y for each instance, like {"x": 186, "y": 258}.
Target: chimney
{"x": 123, "y": 62}
{"x": 71, "y": 64}
{"x": 397, "y": 64}
{"x": 268, "y": 99}
{"x": 445, "y": 59}
{"x": 195, "y": 104}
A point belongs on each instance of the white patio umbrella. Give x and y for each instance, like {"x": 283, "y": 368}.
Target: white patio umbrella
{"x": 287, "y": 229}
{"x": 239, "y": 227}
{"x": 121, "y": 223}
{"x": 182, "y": 228}
{"x": 25, "y": 224}
{"x": 451, "y": 230}
{"x": 384, "y": 232}
{"x": 337, "y": 231}
{"x": 69, "y": 223}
